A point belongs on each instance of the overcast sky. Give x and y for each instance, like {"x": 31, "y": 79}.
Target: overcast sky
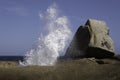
{"x": 20, "y": 25}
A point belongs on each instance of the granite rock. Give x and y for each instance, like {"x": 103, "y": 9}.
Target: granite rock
{"x": 91, "y": 40}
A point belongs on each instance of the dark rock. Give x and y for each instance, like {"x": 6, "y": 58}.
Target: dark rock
{"x": 91, "y": 40}
{"x": 100, "y": 62}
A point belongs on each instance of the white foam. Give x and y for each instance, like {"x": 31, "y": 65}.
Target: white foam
{"x": 52, "y": 45}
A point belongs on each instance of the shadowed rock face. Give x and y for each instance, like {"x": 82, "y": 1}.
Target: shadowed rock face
{"x": 91, "y": 40}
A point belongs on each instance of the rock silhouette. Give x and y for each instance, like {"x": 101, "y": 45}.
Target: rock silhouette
{"x": 91, "y": 40}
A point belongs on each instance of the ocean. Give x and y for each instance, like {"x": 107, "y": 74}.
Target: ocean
{"x": 12, "y": 58}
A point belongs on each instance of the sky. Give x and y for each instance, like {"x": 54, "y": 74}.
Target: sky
{"x": 20, "y": 24}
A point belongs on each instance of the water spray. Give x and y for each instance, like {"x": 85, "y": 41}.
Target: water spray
{"x": 51, "y": 45}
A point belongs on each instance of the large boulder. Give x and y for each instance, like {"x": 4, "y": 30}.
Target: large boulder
{"x": 91, "y": 40}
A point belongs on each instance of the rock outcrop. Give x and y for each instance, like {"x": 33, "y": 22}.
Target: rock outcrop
{"x": 91, "y": 40}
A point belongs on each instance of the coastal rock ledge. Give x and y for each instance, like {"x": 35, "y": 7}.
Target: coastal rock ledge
{"x": 91, "y": 40}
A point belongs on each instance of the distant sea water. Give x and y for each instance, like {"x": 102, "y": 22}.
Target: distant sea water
{"x": 12, "y": 58}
